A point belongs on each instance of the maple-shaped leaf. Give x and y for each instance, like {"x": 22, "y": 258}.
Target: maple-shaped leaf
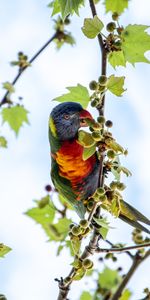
{"x": 70, "y": 6}
{"x": 3, "y": 142}
{"x": 15, "y": 116}
{"x": 135, "y": 42}
{"x": 116, "y": 5}
{"x": 92, "y": 26}
{"x": 77, "y": 93}
{"x": 115, "y": 85}
{"x": 4, "y": 250}
{"x": 116, "y": 58}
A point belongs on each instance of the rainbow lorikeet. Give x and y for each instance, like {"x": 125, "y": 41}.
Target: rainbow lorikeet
{"x": 74, "y": 178}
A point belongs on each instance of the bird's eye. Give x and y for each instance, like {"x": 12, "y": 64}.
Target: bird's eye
{"x": 66, "y": 117}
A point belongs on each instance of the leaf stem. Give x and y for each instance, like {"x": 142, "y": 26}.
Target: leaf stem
{"x": 20, "y": 72}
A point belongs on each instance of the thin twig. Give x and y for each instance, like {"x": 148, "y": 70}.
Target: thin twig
{"x": 55, "y": 35}
{"x": 124, "y": 249}
{"x": 138, "y": 259}
{"x": 127, "y": 252}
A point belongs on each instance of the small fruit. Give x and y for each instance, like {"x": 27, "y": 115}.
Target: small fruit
{"x": 115, "y": 16}
{"x": 84, "y": 223}
{"x": 90, "y": 205}
{"x": 93, "y": 85}
{"x": 101, "y": 119}
{"x": 111, "y": 26}
{"x": 48, "y": 188}
{"x": 76, "y": 230}
{"x": 87, "y": 263}
{"x": 121, "y": 186}
{"x": 100, "y": 191}
{"x": 109, "y": 123}
{"x": 102, "y": 80}
{"x": 111, "y": 154}
{"x": 67, "y": 21}
{"x": 94, "y": 103}
{"x": 113, "y": 185}
{"x": 96, "y": 136}
{"x": 101, "y": 88}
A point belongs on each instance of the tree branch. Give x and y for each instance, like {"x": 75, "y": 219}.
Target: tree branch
{"x": 127, "y": 252}
{"x": 124, "y": 249}
{"x": 20, "y": 72}
{"x": 90, "y": 249}
{"x": 138, "y": 259}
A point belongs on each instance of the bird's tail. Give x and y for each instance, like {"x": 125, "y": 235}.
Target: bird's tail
{"x": 133, "y": 223}
{"x": 137, "y": 216}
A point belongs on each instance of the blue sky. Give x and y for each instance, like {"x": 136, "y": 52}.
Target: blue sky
{"x": 28, "y": 271}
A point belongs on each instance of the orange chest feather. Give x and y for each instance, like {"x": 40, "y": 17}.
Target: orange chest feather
{"x": 71, "y": 164}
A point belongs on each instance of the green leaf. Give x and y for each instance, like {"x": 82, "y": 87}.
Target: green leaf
{"x": 77, "y": 93}
{"x": 3, "y": 142}
{"x": 115, "y": 85}
{"x": 135, "y": 43}
{"x": 109, "y": 279}
{"x": 115, "y": 207}
{"x": 126, "y": 295}
{"x": 9, "y": 87}
{"x": 79, "y": 274}
{"x": 88, "y": 152}
{"x": 116, "y": 5}
{"x": 102, "y": 222}
{"x": 85, "y": 139}
{"x": 76, "y": 243}
{"x": 4, "y": 250}
{"x": 103, "y": 231}
{"x": 55, "y": 5}
{"x": 116, "y": 147}
{"x": 69, "y": 7}
{"x": 116, "y": 58}
{"x": 125, "y": 171}
{"x": 15, "y": 116}
{"x": 92, "y": 27}
{"x": 86, "y": 296}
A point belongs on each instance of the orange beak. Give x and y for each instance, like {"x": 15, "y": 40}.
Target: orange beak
{"x": 84, "y": 114}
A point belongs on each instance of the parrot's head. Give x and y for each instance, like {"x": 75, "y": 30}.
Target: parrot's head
{"x": 66, "y": 119}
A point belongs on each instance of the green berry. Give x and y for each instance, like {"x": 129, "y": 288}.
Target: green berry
{"x": 90, "y": 205}
{"x": 114, "y": 258}
{"x": 96, "y": 136}
{"x": 109, "y": 123}
{"x": 94, "y": 103}
{"x": 113, "y": 185}
{"x": 102, "y": 80}
{"x": 121, "y": 186}
{"x": 96, "y": 126}
{"x": 111, "y": 26}
{"x": 115, "y": 16}
{"x": 87, "y": 263}
{"x": 111, "y": 154}
{"x": 100, "y": 191}
{"x": 103, "y": 198}
{"x": 101, "y": 88}
{"x": 76, "y": 230}
{"x": 84, "y": 223}
{"x": 101, "y": 119}
{"x": 93, "y": 85}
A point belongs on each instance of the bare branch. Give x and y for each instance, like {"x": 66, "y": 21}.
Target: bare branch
{"x": 138, "y": 259}
{"x": 124, "y": 249}
{"x": 20, "y": 72}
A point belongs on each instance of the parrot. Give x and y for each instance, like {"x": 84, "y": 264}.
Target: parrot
{"x": 74, "y": 178}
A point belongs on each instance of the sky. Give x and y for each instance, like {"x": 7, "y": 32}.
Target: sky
{"x": 29, "y": 270}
